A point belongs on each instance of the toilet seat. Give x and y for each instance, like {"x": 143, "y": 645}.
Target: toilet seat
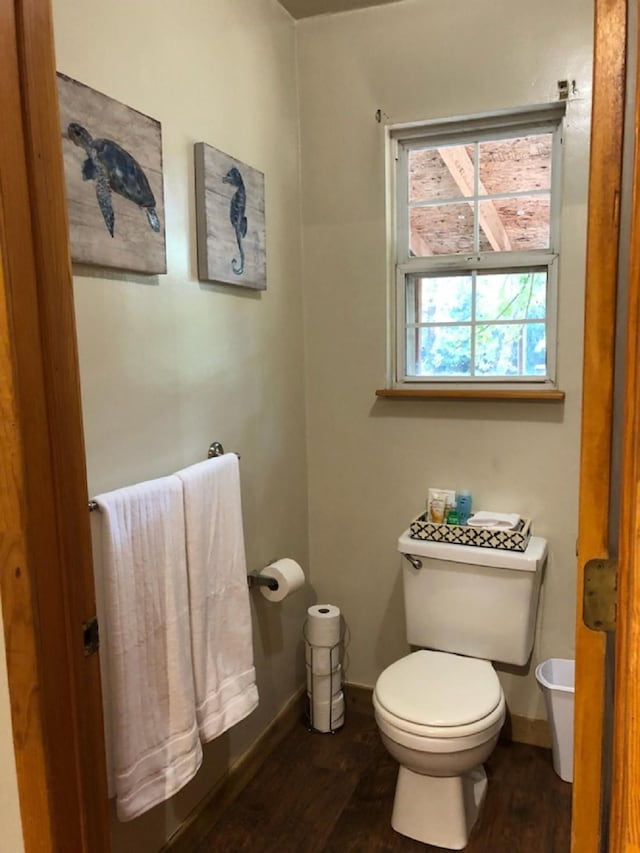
{"x": 442, "y": 739}
{"x": 439, "y": 695}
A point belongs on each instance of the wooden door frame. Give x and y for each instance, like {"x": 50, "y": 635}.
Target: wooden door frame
{"x": 624, "y": 819}
{"x": 625, "y": 794}
{"x": 46, "y": 580}
{"x": 605, "y": 178}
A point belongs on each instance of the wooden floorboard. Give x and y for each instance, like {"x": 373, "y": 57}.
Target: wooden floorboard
{"x": 334, "y": 793}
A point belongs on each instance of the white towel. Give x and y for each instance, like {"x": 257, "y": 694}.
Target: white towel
{"x": 495, "y": 520}
{"x": 153, "y": 744}
{"x": 221, "y": 635}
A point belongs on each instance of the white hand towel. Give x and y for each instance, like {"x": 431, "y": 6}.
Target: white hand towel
{"x": 141, "y": 584}
{"x": 221, "y": 635}
{"x": 495, "y": 520}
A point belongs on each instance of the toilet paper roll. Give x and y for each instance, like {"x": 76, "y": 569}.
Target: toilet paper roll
{"x": 289, "y": 575}
{"x": 321, "y": 661}
{"x": 322, "y": 627}
{"x": 328, "y": 716}
{"x": 321, "y": 687}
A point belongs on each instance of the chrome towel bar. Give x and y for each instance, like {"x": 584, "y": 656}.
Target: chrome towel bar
{"x": 254, "y": 578}
{"x": 215, "y": 449}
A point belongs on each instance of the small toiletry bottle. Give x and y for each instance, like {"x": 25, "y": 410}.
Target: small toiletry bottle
{"x": 437, "y": 509}
{"x": 464, "y": 506}
{"x": 452, "y": 514}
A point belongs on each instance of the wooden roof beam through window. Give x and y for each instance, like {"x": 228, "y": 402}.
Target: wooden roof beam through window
{"x": 459, "y": 164}
{"x": 419, "y": 246}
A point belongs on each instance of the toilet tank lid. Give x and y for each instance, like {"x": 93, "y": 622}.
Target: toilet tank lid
{"x": 529, "y": 560}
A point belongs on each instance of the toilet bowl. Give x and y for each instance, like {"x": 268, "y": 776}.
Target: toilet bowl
{"x": 439, "y": 715}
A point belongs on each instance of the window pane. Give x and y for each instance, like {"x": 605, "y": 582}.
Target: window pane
{"x": 516, "y": 165}
{"x": 445, "y": 299}
{"x": 511, "y": 296}
{"x": 444, "y": 229}
{"x": 440, "y": 351}
{"x": 511, "y": 350}
{"x": 433, "y": 176}
{"x": 535, "y": 350}
{"x": 516, "y": 224}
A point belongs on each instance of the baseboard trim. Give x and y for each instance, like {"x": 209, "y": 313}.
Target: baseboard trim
{"x": 517, "y": 728}
{"x": 199, "y": 822}
{"x": 359, "y": 697}
{"x": 525, "y": 730}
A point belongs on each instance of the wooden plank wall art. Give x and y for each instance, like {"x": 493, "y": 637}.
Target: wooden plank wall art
{"x": 113, "y": 171}
{"x": 230, "y": 220}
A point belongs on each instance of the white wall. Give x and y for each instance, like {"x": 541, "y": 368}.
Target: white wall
{"x": 169, "y": 364}
{"x": 372, "y": 461}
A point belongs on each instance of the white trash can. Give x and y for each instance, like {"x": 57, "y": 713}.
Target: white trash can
{"x": 557, "y": 678}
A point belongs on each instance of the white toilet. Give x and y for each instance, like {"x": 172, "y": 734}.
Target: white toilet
{"x": 440, "y": 710}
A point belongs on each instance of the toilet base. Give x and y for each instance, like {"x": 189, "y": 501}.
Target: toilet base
{"x": 438, "y": 810}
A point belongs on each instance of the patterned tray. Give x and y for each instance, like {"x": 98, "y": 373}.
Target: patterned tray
{"x": 462, "y": 534}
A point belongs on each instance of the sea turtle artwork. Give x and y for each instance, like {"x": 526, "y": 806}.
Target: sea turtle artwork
{"x": 115, "y": 171}
{"x": 237, "y": 214}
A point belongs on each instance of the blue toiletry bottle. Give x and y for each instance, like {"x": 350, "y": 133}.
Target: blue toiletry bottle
{"x": 463, "y": 499}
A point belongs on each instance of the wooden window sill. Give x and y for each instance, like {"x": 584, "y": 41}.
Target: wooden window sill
{"x": 543, "y": 395}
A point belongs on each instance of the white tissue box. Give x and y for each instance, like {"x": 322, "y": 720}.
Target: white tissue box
{"x": 462, "y": 534}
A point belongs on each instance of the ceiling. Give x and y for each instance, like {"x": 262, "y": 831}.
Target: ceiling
{"x": 309, "y": 8}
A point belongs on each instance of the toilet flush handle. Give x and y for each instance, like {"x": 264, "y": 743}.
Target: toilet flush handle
{"x": 415, "y": 562}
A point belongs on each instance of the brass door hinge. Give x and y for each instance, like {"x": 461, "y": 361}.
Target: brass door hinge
{"x": 600, "y": 599}
{"x": 90, "y": 637}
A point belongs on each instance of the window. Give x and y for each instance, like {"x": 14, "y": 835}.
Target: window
{"x": 476, "y": 250}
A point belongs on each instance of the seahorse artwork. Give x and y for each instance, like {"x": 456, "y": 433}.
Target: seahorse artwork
{"x": 237, "y": 214}
{"x": 230, "y": 219}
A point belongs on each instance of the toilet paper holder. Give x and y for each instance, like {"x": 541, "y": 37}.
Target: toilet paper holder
{"x": 256, "y": 579}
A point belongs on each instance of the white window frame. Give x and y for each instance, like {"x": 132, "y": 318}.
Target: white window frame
{"x": 547, "y": 118}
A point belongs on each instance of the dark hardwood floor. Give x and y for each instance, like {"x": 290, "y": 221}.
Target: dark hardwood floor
{"x": 335, "y": 792}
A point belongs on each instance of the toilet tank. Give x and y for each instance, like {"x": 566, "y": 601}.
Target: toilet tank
{"x": 480, "y": 602}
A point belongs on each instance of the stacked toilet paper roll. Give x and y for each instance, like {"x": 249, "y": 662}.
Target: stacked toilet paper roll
{"x": 324, "y": 672}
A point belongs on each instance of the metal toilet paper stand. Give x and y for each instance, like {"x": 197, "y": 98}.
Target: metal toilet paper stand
{"x": 332, "y": 676}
